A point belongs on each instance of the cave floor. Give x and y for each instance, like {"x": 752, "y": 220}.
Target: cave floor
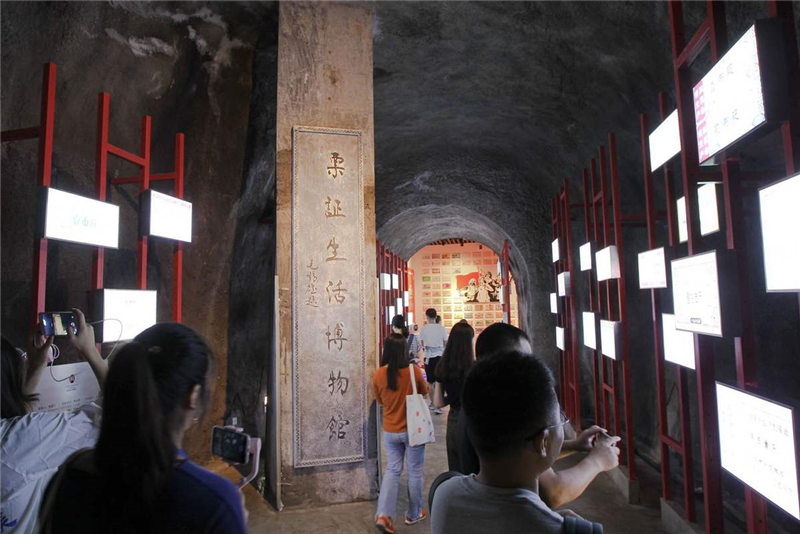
{"x": 601, "y": 502}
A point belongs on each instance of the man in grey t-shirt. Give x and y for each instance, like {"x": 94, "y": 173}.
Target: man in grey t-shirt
{"x": 517, "y": 428}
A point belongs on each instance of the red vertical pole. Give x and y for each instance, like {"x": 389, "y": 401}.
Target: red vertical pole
{"x": 101, "y": 170}
{"x": 45, "y": 165}
{"x": 506, "y": 281}
{"x": 177, "y": 254}
{"x": 616, "y": 200}
{"x": 144, "y": 185}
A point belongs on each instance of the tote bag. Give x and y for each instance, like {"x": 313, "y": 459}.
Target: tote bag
{"x": 419, "y": 424}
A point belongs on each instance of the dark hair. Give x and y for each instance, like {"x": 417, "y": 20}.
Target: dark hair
{"x": 398, "y": 321}
{"x": 431, "y": 312}
{"x": 394, "y": 357}
{"x": 14, "y": 401}
{"x": 497, "y": 338}
{"x": 458, "y": 355}
{"x": 144, "y": 390}
{"x": 508, "y": 399}
{"x": 438, "y": 319}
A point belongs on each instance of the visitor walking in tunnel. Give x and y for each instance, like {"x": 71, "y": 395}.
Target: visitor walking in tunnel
{"x": 451, "y": 371}
{"x": 35, "y": 444}
{"x": 392, "y": 382}
{"x": 433, "y": 337}
{"x": 138, "y": 479}
{"x": 555, "y": 487}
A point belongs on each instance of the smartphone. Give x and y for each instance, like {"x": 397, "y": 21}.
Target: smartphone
{"x": 57, "y": 323}
{"x": 230, "y": 445}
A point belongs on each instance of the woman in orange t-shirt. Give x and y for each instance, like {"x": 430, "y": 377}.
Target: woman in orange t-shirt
{"x": 392, "y": 382}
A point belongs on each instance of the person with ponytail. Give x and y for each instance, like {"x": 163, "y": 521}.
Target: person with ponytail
{"x": 392, "y": 382}
{"x": 138, "y": 479}
{"x": 34, "y": 444}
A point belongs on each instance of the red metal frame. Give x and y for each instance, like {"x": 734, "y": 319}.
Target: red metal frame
{"x": 615, "y": 309}
{"x": 712, "y": 32}
{"x": 505, "y": 278}
{"x": 683, "y": 445}
{"x": 569, "y": 362}
{"x": 390, "y": 263}
{"x": 44, "y": 132}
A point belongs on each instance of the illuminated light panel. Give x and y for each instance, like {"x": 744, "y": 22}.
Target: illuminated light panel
{"x": 607, "y": 261}
{"x": 709, "y": 211}
{"x": 170, "y": 217}
{"x": 78, "y": 219}
{"x": 780, "y": 223}
{"x": 757, "y": 445}
{"x": 556, "y": 251}
{"x": 683, "y": 224}
{"x": 665, "y": 141}
{"x": 560, "y": 338}
{"x": 728, "y": 100}
{"x": 678, "y": 345}
{"x": 652, "y": 269}
{"x": 695, "y": 294}
{"x": 386, "y": 281}
{"x": 135, "y": 308}
{"x": 609, "y": 338}
{"x": 553, "y": 303}
{"x": 563, "y": 284}
{"x": 590, "y": 330}
{"x": 586, "y": 256}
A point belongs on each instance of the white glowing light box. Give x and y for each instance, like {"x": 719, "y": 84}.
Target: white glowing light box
{"x": 729, "y": 99}
{"x": 406, "y": 298}
{"x": 398, "y": 305}
{"x": 609, "y": 338}
{"x": 560, "y": 338}
{"x": 134, "y": 308}
{"x": 386, "y": 281}
{"x": 556, "y": 251}
{"x": 696, "y": 294}
{"x": 78, "y": 219}
{"x": 410, "y": 318}
{"x": 665, "y": 141}
{"x": 652, "y": 269}
{"x": 395, "y": 281}
{"x": 390, "y": 313}
{"x": 590, "y": 330}
{"x": 586, "y": 256}
{"x": 707, "y": 206}
{"x": 607, "y": 261}
{"x": 678, "y": 345}
{"x": 757, "y": 445}
{"x": 166, "y": 216}
{"x": 563, "y": 284}
{"x": 780, "y": 223}
{"x": 683, "y": 224}
{"x": 553, "y": 303}
{"x": 78, "y": 386}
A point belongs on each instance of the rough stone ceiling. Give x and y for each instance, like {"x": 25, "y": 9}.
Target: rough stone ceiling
{"x": 502, "y": 101}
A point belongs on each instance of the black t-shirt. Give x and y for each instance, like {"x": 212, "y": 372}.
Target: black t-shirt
{"x": 452, "y": 392}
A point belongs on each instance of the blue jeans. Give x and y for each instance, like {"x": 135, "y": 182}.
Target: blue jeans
{"x": 395, "y": 446}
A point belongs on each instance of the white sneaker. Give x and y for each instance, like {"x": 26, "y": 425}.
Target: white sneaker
{"x": 437, "y": 411}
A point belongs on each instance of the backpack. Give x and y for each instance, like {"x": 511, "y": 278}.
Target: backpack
{"x": 574, "y": 525}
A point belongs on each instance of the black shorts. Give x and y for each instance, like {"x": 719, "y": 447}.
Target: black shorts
{"x": 430, "y": 369}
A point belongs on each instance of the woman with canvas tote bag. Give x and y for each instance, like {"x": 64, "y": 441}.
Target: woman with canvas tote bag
{"x": 393, "y": 383}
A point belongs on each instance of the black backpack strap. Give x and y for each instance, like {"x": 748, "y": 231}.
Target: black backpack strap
{"x": 576, "y": 525}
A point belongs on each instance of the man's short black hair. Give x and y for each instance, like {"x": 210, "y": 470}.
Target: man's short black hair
{"x": 431, "y": 313}
{"x": 508, "y": 399}
{"x": 497, "y": 338}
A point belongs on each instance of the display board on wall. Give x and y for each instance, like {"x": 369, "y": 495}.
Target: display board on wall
{"x": 678, "y": 344}
{"x": 74, "y": 386}
{"x": 780, "y": 221}
{"x": 329, "y": 292}
{"x": 460, "y": 282}
{"x": 665, "y": 141}
{"x": 590, "y": 329}
{"x": 758, "y": 445}
{"x": 609, "y": 338}
{"x": 607, "y": 262}
{"x": 70, "y": 217}
{"x": 729, "y": 100}
{"x": 125, "y": 313}
{"x": 166, "y": 216}
{"x": 652, "y": 269}
{"x": 696, "y": 294}
{"x": 586, "y": 256}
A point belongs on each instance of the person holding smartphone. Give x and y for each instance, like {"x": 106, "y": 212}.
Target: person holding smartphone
{"x": 137, "y": 478}
{"x": 34, "y": 444}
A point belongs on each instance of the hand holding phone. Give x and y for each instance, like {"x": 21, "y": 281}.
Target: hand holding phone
{"x": 57, "y": 323}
